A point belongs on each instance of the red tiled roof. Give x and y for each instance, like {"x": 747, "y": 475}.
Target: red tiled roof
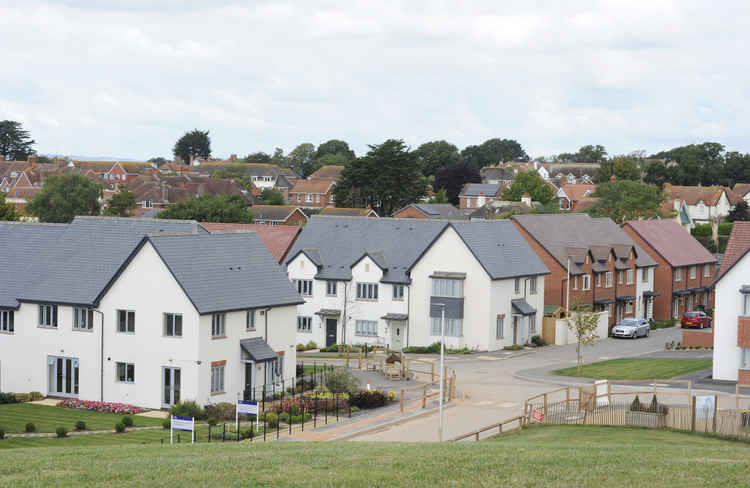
{"x": 277, "y": 238}
{"x": 312, "y": 186}
{"x": 349, "y": 212}
{"x": 328, "y": 172}
{"x": 742, "y": 189}
{"x": 737, "y": 247}
{"x": 672, "y": 242}
{"x": 578, "y": 192}
{"x": 693, "y": 194}
{"x": 23, "y": 192}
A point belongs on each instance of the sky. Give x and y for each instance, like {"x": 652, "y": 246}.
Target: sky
{"x": 126, "y": 78}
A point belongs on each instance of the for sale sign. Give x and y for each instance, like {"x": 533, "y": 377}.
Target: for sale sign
{"x": 538, "y": 416}
{"x": 247, "y": 408}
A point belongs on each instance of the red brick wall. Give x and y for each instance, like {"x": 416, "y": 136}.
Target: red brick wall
{"x": 662, "y": 277}
{"x": 699, "y": 338}
{"x": 553, "y": 283}
{"x": 410, "y": 213}
{"x": 296, "y": 219}
{"x": 325, "y": 200}
{"x": 743, "y": 331}
{"x": 743, "y": 377}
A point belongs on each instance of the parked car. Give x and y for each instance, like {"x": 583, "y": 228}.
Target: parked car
{"x": 696, "y": 319}
{"x": 632, "y": 328}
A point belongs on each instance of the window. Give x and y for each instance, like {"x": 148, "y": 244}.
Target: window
{"x": 575, "y": 282}
{"x": 367, "y": 328}
{"x": 532, "y": 325}
{"x": 445, "y": 287}
{"x": 6, "y": 321}
{"x": 398, "y": 292}
{"x": 586, "y": 282}
{"x": 126, "y": 321}
{"x": 48, "y": 315}
{"x": 678, "y": 274}
{"x": 629, "y": 276}
{"x": 331, "y": 288}
{"x": 499, "y": 326}
{"x": 608, "y": 279}
{"x": 746, "y": 302}
{"x": 83, "y": 318}
{"x": 704, "y": 299}
{"x": 598, "y": 280}
{"x": 218, "y": 325}
{"x": 706, "y": 270}
{"x": 745, "y": 358}
{"x": 304, "y": 287}
{"x": 644, "y": 275}
{"x": 308, "y": 197}
{"x": 518, "y": 286}
{"x": 532, "y": 285}
{"x": 367, "y": 291}
{"x": 299, "y": 197}
{"x": 317, "y": 198}
{"x": 173, "y": 325}
{"x": 304, "y": 324}
{"x": 217, "y": 378}
{"x": 453, "y": 327}
{"x": 693, "y": 272}
{"x": 250, "y": 320}
{"x": 125, "y": 373}
{"x": 332, "y": 198}
{"x": 619, "y": 277}
{"x": 628, "y": 307}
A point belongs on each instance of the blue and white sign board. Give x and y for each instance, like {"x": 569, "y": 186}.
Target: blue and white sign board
{"x": 247, "y": 408}
{"x": 186, "y": 424}
{"x": 705, "y": 406}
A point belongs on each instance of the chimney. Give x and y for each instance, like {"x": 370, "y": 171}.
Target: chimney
{"x": 526, "y": 199}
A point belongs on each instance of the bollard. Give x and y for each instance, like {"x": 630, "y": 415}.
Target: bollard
{"x": 402, "y": 401}
{"x": 432, "y": 372}
{"x": 424, "y": 397}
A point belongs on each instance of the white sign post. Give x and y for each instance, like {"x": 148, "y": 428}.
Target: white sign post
{"x": 705, "y": 406}
{"x": 601, "y": 391}
{"x": 186, "y": 424}
{"x": 246, "y": 408}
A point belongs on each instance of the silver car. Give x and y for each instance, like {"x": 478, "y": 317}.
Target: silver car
{"x": 632, "y": 328}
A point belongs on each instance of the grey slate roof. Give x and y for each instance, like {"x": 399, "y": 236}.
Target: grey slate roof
{"x": 258, "y": 349}
{"x": 342, "y": 241}
{"x": 522, "y": 306}
{"x": 557, "y": 233}
{"x": 223, "y": 272}
{"x": 486, "y": 189}
{"x": 440, "y": 211}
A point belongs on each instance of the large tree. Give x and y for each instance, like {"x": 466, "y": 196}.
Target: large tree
{"x": 624, "y": 200}
{"x": 621, "y": 167}
{"x": 492, "y": 151}
{"x": 532, "y": 182}
{"x": 194, "y": 144}
{"x": 386, "y": 178}
{"x": 453, "y": 178}
{"x": 591, "y": 153}
{"x": 695, "y": 164}
{"x": 121, "y": 203}
{"x": 158, "y": 161}
{"x": 210, "y": 208}
{"x": 272, "y": 196}
{"x": 739, "y": 212}
{"x": 258, "y": 157}
{"x": 302, "y": 159}
{"x": 436, "y": 155}
{"x": 15, "y": 142}
{"x": 65, "y": 196}
{"x": 334, "y": 146}
{"x": 7, "y": 210}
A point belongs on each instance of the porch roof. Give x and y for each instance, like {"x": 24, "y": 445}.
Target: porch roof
{"x": 330, "y": 312}
{"x": 258, "y": 349}
{"x": 395, "y": 316}
{"x": 522, "y": 306}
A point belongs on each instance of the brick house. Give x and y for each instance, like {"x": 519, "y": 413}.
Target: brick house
{"x": 277, "y": 238}
{"x": 313, "y": 193}
{"x": 574, "y": 198}
{"x": 608, "y": 271}
{"x": 475, "y": 195}
{"x": 349, "y": 212}
{"x": 327, "y": 172}
{"x": 115, "y": 171}
{"x": 685, "y": 271}
{"x": 278, "y": 215}
{"x": 443, "y": 211}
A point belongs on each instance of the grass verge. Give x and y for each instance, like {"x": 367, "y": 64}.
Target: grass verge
{"x": 637, "y": 369}
{"x": 15, "y": 416}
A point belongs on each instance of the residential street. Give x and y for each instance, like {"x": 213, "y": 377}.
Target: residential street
{"x": 496, "y": 387}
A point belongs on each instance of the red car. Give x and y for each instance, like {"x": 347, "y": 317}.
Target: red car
{"x": 696, "y": 319}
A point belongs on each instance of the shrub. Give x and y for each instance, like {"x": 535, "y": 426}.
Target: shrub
{"x": 725, "y": 228}
{"x": 127, "y": 421}
{"x": 635, "y": 406}
{"x": 333, "y": 348}
{"x": 166, "y": 423}
{"x": 119, "y": 427}
{"x": 311, "y": 345}
{"x": 538, "y": 341}
{"x": 36, "y": 396}
{"x": 284, "y": 417}
{"x": 188, "y": 408}
{"x": 514, "y": 347}
{"x": 30, "y": 427}
{"x": 300, "y": 347}
{"x": 246, "y": 433}
{"x": 7, "y": 398}
{"x": 355, "y": 409}
{"x": 80, "y": 425}
{"x": 340, "y": 380}
{"x": 61, "y": 432}
{"x": 369, "y": 399}
{"x": 107, "y": 407}
{"x": 272, "y": 420}
{"x": 220, "y": 411}
{"x": 701, "y": 230}
{"x": 433, "y": 348}
{"x": 392, "y": 396}
{"x": 2, "y": 433}
{"x": 212, "y": 421}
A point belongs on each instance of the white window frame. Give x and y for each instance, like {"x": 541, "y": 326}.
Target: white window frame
{"x": 304, "y": 287}
{"x": 218, "y": 325}
{"x": 629, "y": 306}
{"x": 48, "y": 316}
{"x": 629, "y": 276}
{"x": 250, "y": 319}
{"x": 129, "y": 323}
{"x": 128, "y": 372}
{"x": 453, "y": 327}
{"x": 308, "y": 198}
{"x": 304, "y": 323}
{"x": 586, "y": 285}
{"x": 83, "y": 318}
{"x": 693, "y": 272}
{"x": 176, "y": 324}
{"x": 517, "y": 286}
{"x": 447, "y": 287}
{"x": 575, "y": 282}
{"x": 532, "y": 285}
{"x": 367, "y": 291}
{"x": 500, "y": 328}
{"x": 217, "y": 379}
{"x": 678, "y": 274}
{"x": 707, "y": 270}
{"x": 398, "y": 292}
{"x": 332, "y": 288}
{"x": 746, "y": 304}
{"x": 644, "y": 275}
{"x": 7, "y": 321}
{"x": 598, "y": 280}
{"x": 608, "y": 279}
{"x": 620, "y": 277}
{"x": 532, "y": 325}
{"x": 745, "y": 358}
{"x": 366, "y": 328}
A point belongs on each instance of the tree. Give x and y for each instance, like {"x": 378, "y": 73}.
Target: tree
{"x": 335, "y": 146}
{"x": 386, "y": 178}
{"x": 532, "y": 182}
{"x": 696, "y": 164}
{"x": 15, "y": 143}
{"x": 278, "y": 157}
{"x": 621, "y": 167}
{"x": 7, "y": 210}
{"x": 624, "y": 200}
{"x": 121, "y": 203}
{"x": 272, "y": 196}
{"x": 338, "y": 159}
{"x": 194, "y": 144}
{"x": 210, "y": 208}
{"x": 158, "y": 161}
{"x": 492, "y": 151}
{"x": 440, "y": 197}
{"x": 436, "y": 155}
{"x": 258, "y": 157}
{"x": 65, "y": 196}
{"x": 583, "y": 322}
{"x": 586, "y": 154}
{"x": 739, "y": 213}
{"x": 302, "y": 159}
{"x": 453, "y": 178}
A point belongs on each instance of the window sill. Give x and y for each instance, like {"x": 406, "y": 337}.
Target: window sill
{"x": 372, "y": 300}
{"x": 331, "y": 296}
{"x": 7, "y": 332}
{"x": 218, "y": 337}
{"x": 304, "y": 331}
{"x": 77, "y": 329}
{"x": 50, "y": 327}
{"x": 125, "y": 333}
{"x": 362, "y": 335}
{"x": 398, "y": 299}
{"x": 214, "y": 393}
{"x": 164, "y": 336}
{"x": 251, "y": 330}
{"x": 125, "y": 382}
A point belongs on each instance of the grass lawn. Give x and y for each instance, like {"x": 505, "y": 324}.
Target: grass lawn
{"x": 540, "y": 456}
{"x": 637, "y": 369}
{"x": 14, "y": 417}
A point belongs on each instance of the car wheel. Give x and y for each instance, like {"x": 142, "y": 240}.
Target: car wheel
{"x": 635, "y": 334}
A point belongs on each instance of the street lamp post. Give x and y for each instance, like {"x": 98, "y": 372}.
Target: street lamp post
{"x": 442, "y": 369}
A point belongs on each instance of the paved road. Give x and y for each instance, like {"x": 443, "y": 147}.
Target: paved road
{"x": 496, "y": 386}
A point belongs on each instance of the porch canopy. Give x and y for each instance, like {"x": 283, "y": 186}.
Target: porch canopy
{"x": 258, "y": 350}
{"x": 522, "y": 307}
{"x": 328, "y": 312}
{"x": 682, "y": 292}
{"x": 604, "y": 301}
{"x": 395, "y": 316}
{"x": 649, "y": 293}
{"x": 625, "y": 298}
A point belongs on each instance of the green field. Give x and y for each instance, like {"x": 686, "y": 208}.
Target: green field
{"x": 14, "y": 417}
{"x": 637, "y": 369}
{"x": 538, "y": 456}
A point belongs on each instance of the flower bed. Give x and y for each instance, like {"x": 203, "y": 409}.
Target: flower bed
{"x": 106, "y": 407}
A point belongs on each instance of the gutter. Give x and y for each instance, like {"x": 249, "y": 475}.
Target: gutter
{"x": 101, "y": 357}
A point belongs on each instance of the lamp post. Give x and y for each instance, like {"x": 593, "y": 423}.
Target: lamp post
{"x": 442, "y": 370}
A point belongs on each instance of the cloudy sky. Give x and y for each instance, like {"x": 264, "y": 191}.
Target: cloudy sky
{"x": 126, "y": 78}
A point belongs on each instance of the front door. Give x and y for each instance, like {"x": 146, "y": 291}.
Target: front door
{"x": 63, "y": 376}
{"x": 397, "y": 336}
{"x": 248, "y": 394}
{"x": 676, "y": 308}
{"x": 516, "y": 327}
{"x": 331, "y": 325}
{"x": 171, "y": 386}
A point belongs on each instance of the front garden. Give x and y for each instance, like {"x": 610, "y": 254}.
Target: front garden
{"x": 637, "y": 369}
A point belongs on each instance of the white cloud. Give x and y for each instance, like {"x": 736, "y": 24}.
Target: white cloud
{"x": 129, "y": 77}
